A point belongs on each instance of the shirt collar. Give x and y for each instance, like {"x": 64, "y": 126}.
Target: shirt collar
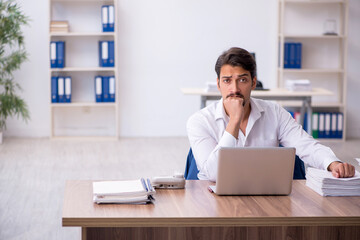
{"x": 256, "y": 108}
{"x": 220, "y": 111}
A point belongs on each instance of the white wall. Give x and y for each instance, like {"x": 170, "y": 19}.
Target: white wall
{"x": 163, "y": 46}
{"x": 353, "y": 99}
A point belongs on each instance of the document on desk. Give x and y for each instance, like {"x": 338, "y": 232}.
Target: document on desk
{"x": 133, "y": 191}
{"x": 358, "y": 160}
{"x": 325, "y": 184}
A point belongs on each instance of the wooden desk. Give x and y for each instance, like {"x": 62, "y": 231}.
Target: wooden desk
{"x": 277, "y": 94}
{"x": 195, "y": 213}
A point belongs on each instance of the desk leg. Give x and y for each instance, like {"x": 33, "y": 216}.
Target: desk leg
{"x": 203, "y": 102}
{"x": 302, "y": 112}
{"x": 306, "y": 105}
{"x": 83, "y": 233}
{"x": 309, "y": 115}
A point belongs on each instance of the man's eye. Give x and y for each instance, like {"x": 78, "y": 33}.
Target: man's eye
{"x": 243, "y": 79}
{"x": 226, "y": 80}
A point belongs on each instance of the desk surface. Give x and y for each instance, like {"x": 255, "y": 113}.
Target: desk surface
{"x": 196, "y": 206}
{"x": 276, "y": 92}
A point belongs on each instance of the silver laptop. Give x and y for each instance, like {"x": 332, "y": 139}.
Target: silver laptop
{"x": 255, "y": 171}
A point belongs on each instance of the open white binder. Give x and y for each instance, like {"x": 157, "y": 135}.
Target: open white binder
{"x": 132, "y": 191}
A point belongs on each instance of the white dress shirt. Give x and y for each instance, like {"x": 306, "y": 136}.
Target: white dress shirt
{"x": 268, "y": 126}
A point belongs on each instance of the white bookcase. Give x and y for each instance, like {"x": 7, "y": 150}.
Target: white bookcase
{"x": 83, "y": 117}
{"x": 323, "y": 56}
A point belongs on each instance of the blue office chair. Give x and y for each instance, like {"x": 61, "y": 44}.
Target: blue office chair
{"x": 191, "y": 170}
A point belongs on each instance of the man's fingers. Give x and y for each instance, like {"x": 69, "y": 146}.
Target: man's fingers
{"x": 349, "y": 170}
{"x": 341, "y": 170}
{"x": 352, "y": 170}
{"x": 335, "y": 173}
{"x": 346, "y": 170}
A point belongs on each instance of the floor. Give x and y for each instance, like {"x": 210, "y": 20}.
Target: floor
{"x": 33, "y": 174}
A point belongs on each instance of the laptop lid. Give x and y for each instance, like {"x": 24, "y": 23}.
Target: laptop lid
{"x": 255, "y": 171}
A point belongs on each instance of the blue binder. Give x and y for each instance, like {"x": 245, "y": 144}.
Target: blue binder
{"x": 286, "y": 55}
{"x": 53, "y": 55}
{"x": 105, "y": 18}
{"x": 298, "y": 51}
{"x": 60, "y": 52}
{"x": 111, "y": 54}
{"x": 54, "y": 89}
{"x": 340, "y": 124}
{"x": 103, "y": 53}
{"x": 61, "y": 89}
{"x": 305, "y": 126}
{"x": 292, "y": 53}
{"x": 98, "y": 89}
{"x": 111, "y": 19}
{"x": 327, "y": 125}
{"x": 333, "y": 130}
{"x": 112, "y": 89}
{"x": 68, "y": 89}
{"x": 291, "y": 113}
{"x": 321, "y": 125}
{"x": 105, "y": 88}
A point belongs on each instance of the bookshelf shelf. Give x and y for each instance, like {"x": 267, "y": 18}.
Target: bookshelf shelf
{"x": 308, "y": 70}
{"x": 82, "y": 104}
{"x": 314, "y": 105}
{"x": 315, "y": 1}
{"x": 83, "y": 1}
{"x": 84, "y": 69}
{"x": 314, "y": 36}
{"x": 323, "y": 57}
{"x": 82, "y": 34}
{"x": 83, "y": 117}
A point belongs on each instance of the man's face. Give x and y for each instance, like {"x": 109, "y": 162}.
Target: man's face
{"x": 235, "y": 82}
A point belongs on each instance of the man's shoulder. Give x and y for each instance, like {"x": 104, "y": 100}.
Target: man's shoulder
{"x": 266, "y": 104}
{"x": 207, "y": 113}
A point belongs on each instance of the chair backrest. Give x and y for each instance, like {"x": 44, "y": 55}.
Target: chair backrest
{"x": 191, "y": 169}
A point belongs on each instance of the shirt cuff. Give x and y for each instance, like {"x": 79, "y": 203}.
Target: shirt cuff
{"x": 227, "y": 140}
{"x": 329, "y": 160}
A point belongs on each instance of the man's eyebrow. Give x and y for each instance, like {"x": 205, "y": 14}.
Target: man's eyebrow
{"x": 241, "y": 75}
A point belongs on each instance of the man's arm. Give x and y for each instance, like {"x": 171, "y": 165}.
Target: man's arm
{"x": 206, "y": 138}
{"x": 291, "y": 134}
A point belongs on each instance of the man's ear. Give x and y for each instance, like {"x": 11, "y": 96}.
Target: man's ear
{"x": 253, "y": 83}
{"x": 218, "y": 83}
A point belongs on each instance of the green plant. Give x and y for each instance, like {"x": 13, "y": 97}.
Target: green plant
{"x": 12, "y": 55}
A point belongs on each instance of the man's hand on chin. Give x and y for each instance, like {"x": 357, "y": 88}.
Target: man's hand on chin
{"x": 341, "y": 170}
{"x": 234, "y": 107}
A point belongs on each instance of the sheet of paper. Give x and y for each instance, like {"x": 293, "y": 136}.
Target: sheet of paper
{"x": 358, "y": 160}
{"x": 132, "y": 187}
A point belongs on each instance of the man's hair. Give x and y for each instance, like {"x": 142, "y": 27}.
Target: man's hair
{"x": 236, "y": 57}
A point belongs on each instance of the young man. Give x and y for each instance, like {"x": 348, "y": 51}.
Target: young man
{"x": 237, "y": 120}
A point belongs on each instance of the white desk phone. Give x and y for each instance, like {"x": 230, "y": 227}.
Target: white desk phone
{"x": 173, "y": 182}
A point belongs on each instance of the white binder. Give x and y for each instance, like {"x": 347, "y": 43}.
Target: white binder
{"x": 68, "y": 89}
{"x": 111, "y": 16}
{"x": 61, "y": 90}
{"x": 105, "y": 51}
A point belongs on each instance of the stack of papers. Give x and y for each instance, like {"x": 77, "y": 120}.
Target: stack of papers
{"x": 211, "y": 86}
{"x": 134, "y": 191}
{"x": 59, "y": 26}
{"x": 298, "y": 85}
{"x": 358, "y": 160}
{"x": 325, "y": 184}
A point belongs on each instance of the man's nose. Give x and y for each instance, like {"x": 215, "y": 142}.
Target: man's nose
{"x": 235, "y": 86}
